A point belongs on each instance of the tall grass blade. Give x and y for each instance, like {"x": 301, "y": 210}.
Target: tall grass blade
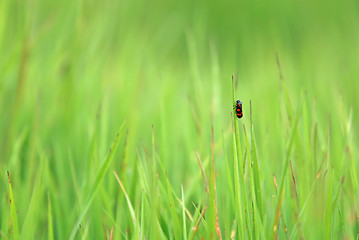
{"x": 50, "y": 227}
{"x": 130, "y": 207}
{"x": 238, "y": 204}
{"x": 13, "y": 211}
{"x": 329, "y": 209}
{"x": 213, "y": 193}
{"x": 183, "y": 216}
{"x": 175, "y": 220}
{"x": 28, "y": 227}
{"x": 98, "y": 180}
{"x": 197, "y": 219}
{"x": 287, "y": 101}
{"x": 238, "y": 162}
{"x": 257, "y": 184}
{"x": 286, "y": 163}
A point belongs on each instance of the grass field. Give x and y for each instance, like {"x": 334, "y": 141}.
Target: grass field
{"x": 116, "y": 119}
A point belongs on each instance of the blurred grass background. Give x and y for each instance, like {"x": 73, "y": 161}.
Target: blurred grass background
{"x": 72, "y": 72}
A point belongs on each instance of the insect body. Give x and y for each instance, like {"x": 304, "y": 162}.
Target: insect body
{"x": 238, "y": 107}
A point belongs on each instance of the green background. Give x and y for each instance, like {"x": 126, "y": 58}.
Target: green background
{"x": 71, "y": 72}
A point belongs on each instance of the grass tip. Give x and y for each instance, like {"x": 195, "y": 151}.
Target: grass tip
{"x": 111, "y": 234}
{"x": 275, "y": 183}
{"x": 8, "y": 176}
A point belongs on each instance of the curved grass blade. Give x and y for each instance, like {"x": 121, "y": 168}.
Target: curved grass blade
{"x": 130, "y": 207}
{"x": 98, "y": 181}
{"x": 239, "y": 174}
{"x": 197, "y": 218}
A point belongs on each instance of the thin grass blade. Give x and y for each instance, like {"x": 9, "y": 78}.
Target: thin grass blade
{"x": 13, "y": 211}
{"x": 98, "y": 181}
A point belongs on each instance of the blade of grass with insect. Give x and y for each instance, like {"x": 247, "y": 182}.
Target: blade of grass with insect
{"x": 242, "y": 189}
{"x": 237, "y": 196}
{"x": 99, "y": 179}
{"x": 13, "y": 211}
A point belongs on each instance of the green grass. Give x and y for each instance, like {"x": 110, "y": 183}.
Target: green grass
{"x": 182, "y": 166}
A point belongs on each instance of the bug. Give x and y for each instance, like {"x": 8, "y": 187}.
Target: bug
{"x": 238, "y": 107}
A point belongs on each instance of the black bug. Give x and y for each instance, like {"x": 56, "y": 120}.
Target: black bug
{"x": 238, "y": 107}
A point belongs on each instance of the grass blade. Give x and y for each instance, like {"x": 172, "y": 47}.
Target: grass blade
{"x": 175, "y": 220}
{"x": 238, "y": 205}
{"x": 202, "y": 171}
{"x": 213, "y": 192}
{"x": 130, "y": 207}
{"x": 98, "y": 181}
{"x": 28, "y": 227}
{"x": 13, "y": 211}
{"x": 49, "y": 219}
{"x": 329, "y": 209}
{"x": 286, "y": 163}
{"x": 183, "y": 215}
{"x": 257, "y": 184}
{"x": 287, "y": 101}
{"x": 239, "y": 171}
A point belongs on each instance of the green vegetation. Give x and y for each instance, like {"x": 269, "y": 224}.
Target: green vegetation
{"x": 116, "y": 119}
